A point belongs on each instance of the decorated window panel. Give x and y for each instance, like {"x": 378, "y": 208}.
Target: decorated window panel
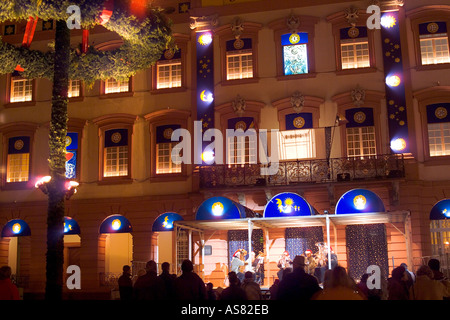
{"x": 354, "y": 48}
{"x": 239, "y": 59}
{"x": 18, "y": 159}
{"x": 434, "y": 47}
{"x": 115, "y": 86}
{"x": 298, "y": 140}
{"x": 74, "y": 88}
{"x": 242, "y": 147}
{"x": 116, "y": 155}
{"x": 360, "y": 133}
{"x": 295, "y": 53}
{"x": 164, "y": 149}
{"x": 168, "y": 70}
{"x": 21, "y": 90}
{"x": 71, "y": 155}
{"x": 438, "y": 129}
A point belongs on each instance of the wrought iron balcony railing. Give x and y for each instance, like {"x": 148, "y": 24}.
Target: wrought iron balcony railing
{"x": 304, "y": 171}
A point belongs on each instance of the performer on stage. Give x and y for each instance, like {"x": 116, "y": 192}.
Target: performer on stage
{"x": 258, "y": 265}
{"x": 236, "y": 263}
{"x": 310, "y": 261}
{"x": 284, "y": 262}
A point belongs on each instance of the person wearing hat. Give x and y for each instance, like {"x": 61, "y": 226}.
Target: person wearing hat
{"x": 298, "y": 285}
{"x": 236, "y": 263}
{"x": 311, "y": 263}
{"x": 283, "y": 263}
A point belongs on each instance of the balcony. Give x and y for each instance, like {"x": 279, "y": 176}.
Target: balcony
{"x": 304, "y": 171}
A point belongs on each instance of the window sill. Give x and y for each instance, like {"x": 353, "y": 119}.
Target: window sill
{"x": 356, "y": 71}
{"x": 116, "y": 95}
{"x": 239, "y": 81}
{"x": 429, "y": 67}
{"x": 168, "y": 90}
{"x": 297, "y": 76}
{"x": 168, "y": 177}
{"x": 20, "y": 104}
{"x": 76, "y": 99}
{"x": 115, "y": 180}
{"x": 437, "y": 161}
{"x": 9, "y": 186}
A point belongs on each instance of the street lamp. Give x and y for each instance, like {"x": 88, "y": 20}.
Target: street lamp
{"x": 70, "y": 186}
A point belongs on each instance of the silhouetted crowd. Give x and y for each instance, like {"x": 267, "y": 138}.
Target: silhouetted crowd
{"x": 296, "y": 284}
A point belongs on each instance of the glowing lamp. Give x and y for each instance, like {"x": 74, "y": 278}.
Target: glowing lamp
{"x": 217, "y": 209}
{"x": 42, "y": 181}
{"x": 16, "y": 228}
{"x": 206, "y": 96}
{"x": 388, "y": 21}
{"x": 67, "y": 227}
{"x": 208, "y": 157}
{"x": 205, "y": 39}
{"x": 359, "y": 202}
{"x": 71, "y": 184}
{"x": 446, "y": 212}
{"x": 393, "y": 81}
{"x": 115, "y": 224}
{"x": 398, "y": 144}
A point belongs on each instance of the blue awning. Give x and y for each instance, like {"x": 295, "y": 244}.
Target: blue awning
{"x": 441, "y": 210}
{"x": 288, "y": 204}
{"x": 71, "y": 226}
{"x": 164, "y": 222}
{"x": 359, "y": 201}
{"x": 16, "y": 228}
{"x": 219, "y": 208}
{"x": 115, "y": 224}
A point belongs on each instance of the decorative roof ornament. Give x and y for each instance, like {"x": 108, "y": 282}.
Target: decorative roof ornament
{"x": 237, "y": 27}
{"x": 351, "y": 15}
{"x": 293, "y": 23}
{"x": 297, "y": 101}
{"x": 204, "y": 22}
{"x": 358, "y": 96}
{"x": 239, "y": 105}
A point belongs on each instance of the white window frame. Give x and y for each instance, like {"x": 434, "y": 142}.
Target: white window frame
{"x": 243, "y": 72}
{"x": 74, "y": 89}
{"x": 241, "y": 150}
{"x": 297, "y": 144}
{"x": 164, "y": 157}
{"x": 361, "y": 56}
{"x": 114, "y": 86}
{"x": 120, "y": 155}
{"x": 23, "y": 91}
{"x": 15, "y": 163}
{"x": 445, "y": 58}
{"x": 443, "y": 128}
{"x": 361, "y": 141}
{"x": 174, "y": 80}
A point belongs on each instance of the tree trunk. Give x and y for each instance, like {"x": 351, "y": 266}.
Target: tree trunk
{"x": 57, "y": 162}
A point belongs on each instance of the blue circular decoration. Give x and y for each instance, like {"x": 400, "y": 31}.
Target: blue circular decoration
{"x": 16, "y": 228}
{"x": 359, "y": 201}
{"x": 164, "y": 222}
{"x": 218, "y": 208}
{"x": 287, "y": 204}
{"x": 441, "y": 210}
{"x": 71, "y": 226}
{"x": 115, "y": 224}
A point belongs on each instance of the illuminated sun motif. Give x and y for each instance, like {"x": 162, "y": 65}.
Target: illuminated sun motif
{"x": 167, "y": 224}
{"x": 205, "y": 39}
{"x": 359, "y": 202}
{"x": 116, "y": 224}
{"x": 217, "y": 209}
{"x": 16, "y": 228}
{"x": 287, "y": 207}
{"x": 446, "y": 213}
{"x": 398, "y": 144}
{"x": 388, "y": 21}
{"x": 67, "y": 227}
{"x": 393, "y": 81}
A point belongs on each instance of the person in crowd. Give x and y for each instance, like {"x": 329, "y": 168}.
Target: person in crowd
{"x": 125, "y": 284}
{"x": 284, "y": 263}
{"x": 435, "y": 267}
{"x": 362, "y": 285}
{"x": 411, "y": 276}
{"x": 426, "y": 288}
{"x": 398, "y": 284}
{"x": 251, "y": 288}
{"x": 234, "y": 290}
{"x": 236, "y": 264}
{"x": 210, "y": 294}
{"x": 311, "y": 263}
{"x": 149, "y": 286}
{"x": 168, "y": 280}
{"x": 189, "y": 286}
{"x": 339, "y": 287}
{"x": 274, "y": 289}
{"x": 298, "y": 285}
{"x": 8, "y": 290}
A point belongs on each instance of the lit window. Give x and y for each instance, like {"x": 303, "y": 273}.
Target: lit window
{"x": 241, "y": 150}
{"x": 355, "y": 54}
{"x": 164, "y": 163}
{"x": 297, "y": 144}
{"x": 21, "y": 90}
{"x": 239, "y": 65}
{"x": 114, "y": 86}
{"x": 168, "y": 74}
{"x": 439, "y": 138}
{"x": 295, "y": 53}
{"x": 18, "y": 160}
{"x": 116, "y": 153}
{"x": 74, "y": 88}
{"x": 434, "y": 49}
{"x": 361, "y": 141}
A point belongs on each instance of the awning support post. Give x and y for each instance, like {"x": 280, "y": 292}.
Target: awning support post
{"x": 328, "y": 240}
{"x": 250, "y": 229}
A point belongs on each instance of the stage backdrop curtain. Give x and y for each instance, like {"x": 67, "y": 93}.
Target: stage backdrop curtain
{"x": 238, "y": 239}
{"x": 366, "y": 245}
{"x": 298, "y": 240}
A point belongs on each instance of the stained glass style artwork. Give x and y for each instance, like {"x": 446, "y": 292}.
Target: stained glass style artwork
{"x": 295, "y": 59}
{"x": 71, "y": 155}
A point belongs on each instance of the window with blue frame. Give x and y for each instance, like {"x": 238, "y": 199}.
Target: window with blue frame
{"x": 295, "y": 53}
{"x": 71, "y": 155}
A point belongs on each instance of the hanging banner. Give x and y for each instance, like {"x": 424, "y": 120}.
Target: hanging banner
{"x": 394, "y": 82}
{"x": 205, "y": 81}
